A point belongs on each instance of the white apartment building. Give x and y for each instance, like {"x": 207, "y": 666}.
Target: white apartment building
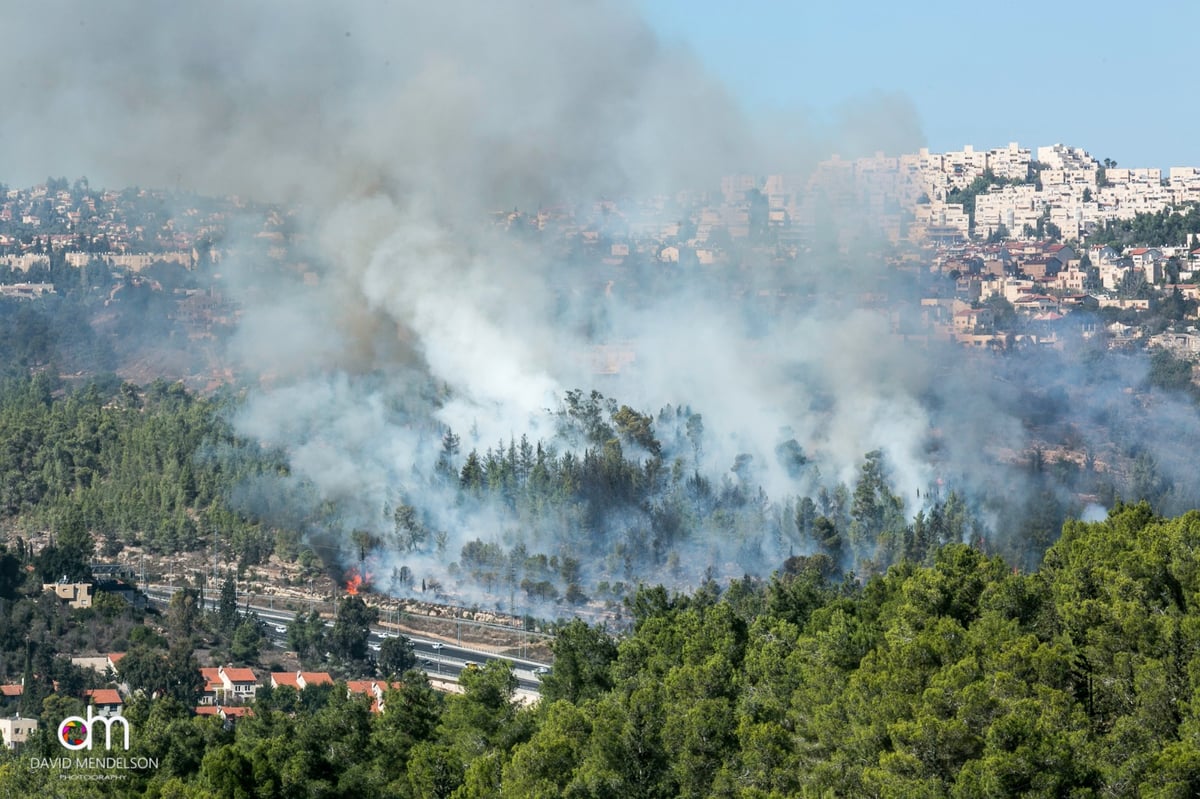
{"x": 1148, "y": 175}
{"x": 920, "y": 184}
{"x": 1011, "y": 206}
{"x": 1010, "y": 163}
{"x": 940, "y": 219}
{"x": 1069, "y": 159}
{"x": 963, "y": 166}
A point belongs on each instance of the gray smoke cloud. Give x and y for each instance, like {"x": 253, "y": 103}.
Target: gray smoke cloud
{"x": 464, "y": 105}
{"x": 397, "y": 129}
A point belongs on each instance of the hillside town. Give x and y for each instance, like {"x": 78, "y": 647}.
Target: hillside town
{"x": 1020, "y": 234}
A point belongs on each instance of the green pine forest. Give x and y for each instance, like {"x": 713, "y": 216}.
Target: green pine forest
{"x": 964, "y": 678}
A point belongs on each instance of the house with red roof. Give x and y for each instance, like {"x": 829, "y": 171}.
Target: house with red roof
{"x": 1036, "y": 304}
{"x": 1063, "y": 252}
{"x": 1144, "y": 255}
{"x": 106, "y": 701}
{"x": 975, "y": 320}
{"x": 300, "y": 679}
{"x": 225, "y": 712}
{"x": 241, "y": 685}
{"x": 371, "y": 688}
{"x": 229, "y": 712}
{"x": 228, "y": 684}
{"x": 213, "y": 687}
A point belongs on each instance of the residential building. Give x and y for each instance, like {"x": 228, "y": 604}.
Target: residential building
{"x": 300, "y": 679}
{"x": 106, "y": 701}
{"x": 77, "y": 595}
{"x": 16, "y": 730}
{"x": 225, "y": 684}
{"x": 370, "y": 688}
{"x": 240, "y": 685}
{"x": 1185, "y": 344}
{"x": 974, "y": 320}
{"x": 226, "y": 713}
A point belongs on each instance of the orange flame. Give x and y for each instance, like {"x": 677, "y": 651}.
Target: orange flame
{"x": 357, "y": 582}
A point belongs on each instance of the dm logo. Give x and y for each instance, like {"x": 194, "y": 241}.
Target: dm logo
{"x": 75, "y": 733}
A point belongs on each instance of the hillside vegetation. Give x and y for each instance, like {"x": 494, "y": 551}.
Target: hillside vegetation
{"x": 960, "y": 679}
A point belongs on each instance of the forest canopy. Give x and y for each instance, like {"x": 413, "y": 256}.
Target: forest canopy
{"x": 964, "y": 678}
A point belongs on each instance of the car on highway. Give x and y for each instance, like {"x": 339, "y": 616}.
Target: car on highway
{"x": 435, "y": 646}
{"x": 541, "y": 670}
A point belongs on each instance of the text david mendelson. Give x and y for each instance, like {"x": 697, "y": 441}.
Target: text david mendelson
{"x": 93, "y": 762}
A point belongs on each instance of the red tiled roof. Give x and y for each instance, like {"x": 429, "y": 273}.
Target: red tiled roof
{"x": 240, "y": 675}
{"x": 317, "y": 678}
{"x": 360, "y": 686}
{"x": 104, "y": 696}
{"x": 206, "y": 710}
{"x": 309, "y": 678}
{"x": 12, "y": 690}
{"x": 236, "y": 711}
{"x": 212, "y": 679}
{"x": 115, "y": 657}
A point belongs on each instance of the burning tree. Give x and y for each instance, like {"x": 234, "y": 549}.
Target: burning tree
{"x": 357, "y": 581}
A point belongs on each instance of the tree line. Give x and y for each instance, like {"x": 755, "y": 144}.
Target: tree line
{"x": 153, "y": 466}
{"x": 962, "y": 678}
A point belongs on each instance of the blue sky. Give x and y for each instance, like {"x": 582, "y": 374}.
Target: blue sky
{"x": 1115, "y": 78}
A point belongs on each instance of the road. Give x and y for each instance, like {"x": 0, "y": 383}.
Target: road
{"x": 435, "y": 658}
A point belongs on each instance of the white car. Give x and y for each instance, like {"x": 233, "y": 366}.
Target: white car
{"x": 541, "y": 670}
{"x": 435, "y": 646}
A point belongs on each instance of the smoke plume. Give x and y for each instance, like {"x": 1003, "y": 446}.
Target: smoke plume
{"x": 404, "y": 133}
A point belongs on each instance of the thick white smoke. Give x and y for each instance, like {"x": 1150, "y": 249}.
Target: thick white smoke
{"x": 398, "y": 129}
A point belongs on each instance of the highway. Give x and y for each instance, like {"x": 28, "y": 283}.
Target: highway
{"x": 435, "y": 658}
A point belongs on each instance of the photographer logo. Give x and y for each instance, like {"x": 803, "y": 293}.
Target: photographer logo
{"x": 76, "y": 733}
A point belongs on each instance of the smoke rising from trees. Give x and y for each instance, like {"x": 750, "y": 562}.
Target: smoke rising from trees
{"x": 398, "y": 129}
